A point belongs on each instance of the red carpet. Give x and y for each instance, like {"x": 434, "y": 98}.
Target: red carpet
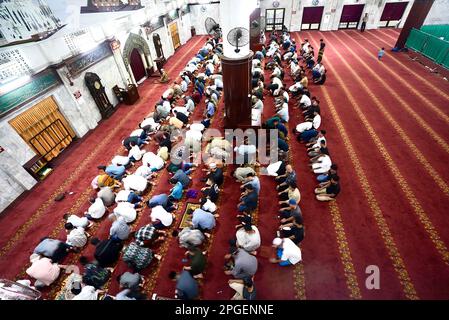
{"x": 36, "y": 215}
{"x": 391, "y": 150}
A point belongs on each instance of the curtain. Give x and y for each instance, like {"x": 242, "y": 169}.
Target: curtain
{"x": 137, "y": 66}
{"x": 439, "y": 30}
{"x": 40, "y": 128}
{"x": 312, "y": 15}
{"x": 352, "y": 13}
{"x": 393, "y": 11}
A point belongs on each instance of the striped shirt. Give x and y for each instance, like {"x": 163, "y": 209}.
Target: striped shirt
{"x": 145, "y": 233}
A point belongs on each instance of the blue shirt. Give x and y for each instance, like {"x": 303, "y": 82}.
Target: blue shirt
{"x": 187, "y": 286}
{"x": 158, "y": 200}
{"x": 210, "y": 109}
{"x": 203, "y": 219}
{"x": 177, "y": 191}
{"x": 282, "y": 145}
{"x": 255, "y": 183}
{"x": 115, "y": 171}
{"x": 282, "y": 129}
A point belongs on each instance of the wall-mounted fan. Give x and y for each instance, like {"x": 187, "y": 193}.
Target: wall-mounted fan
{"x": 238, "y": 37}
{"x": 212, "y": 27}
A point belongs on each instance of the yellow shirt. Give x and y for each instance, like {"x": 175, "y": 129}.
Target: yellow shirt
{"x": 295, "y": 194}
{"x": 176, "y": 122}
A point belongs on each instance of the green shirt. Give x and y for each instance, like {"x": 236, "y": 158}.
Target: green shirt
{"x": 197, "y": 262}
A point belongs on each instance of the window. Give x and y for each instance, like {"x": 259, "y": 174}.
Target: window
{"x": 44, "y": 128}
{"x": 274, "y": 19}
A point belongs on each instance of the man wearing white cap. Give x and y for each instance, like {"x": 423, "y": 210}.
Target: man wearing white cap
{"x": 287, "y": 252}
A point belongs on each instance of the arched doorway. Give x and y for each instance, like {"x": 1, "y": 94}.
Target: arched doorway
{"x": 137, "y": 66}
{"x": 136, "y": 56}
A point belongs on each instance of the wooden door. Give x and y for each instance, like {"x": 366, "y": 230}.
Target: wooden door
{"x": 311, "y": 18}
{"x": 351, "y": 16}
{"x": 175, "y": 35}
{"x": 392, "y": 14}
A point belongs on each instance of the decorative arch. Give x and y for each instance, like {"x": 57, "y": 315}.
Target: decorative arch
{"x": 135, "y": 41}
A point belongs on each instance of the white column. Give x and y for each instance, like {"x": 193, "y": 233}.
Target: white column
{"x": 233, "y": 14}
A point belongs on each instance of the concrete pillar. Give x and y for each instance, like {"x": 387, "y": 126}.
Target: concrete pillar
{"x": 415, "y": 19}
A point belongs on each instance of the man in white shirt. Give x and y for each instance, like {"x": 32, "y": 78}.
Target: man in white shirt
{"x": 137, "y": 133}
{"x": 255, "y": 63}
{"x": 164, "y": 218}
{"x": 257, "y": 103}
{"x": 276, "y": 80}
{"x": 182, "y": 109}
{"x": 189, "y": 104}
{"x": 218, "y": 83}
{"x": 208, "y": 205}
{"x": 120, "y": 161}
{"x": 283, "y": 113}
{"x": 248, "y": 238}
{"x": 144, "y": 171}
{"x": 168, "y": 93}
{"x": 305, "y": 101}
{"x": 256, "y": 117}
{"x": 276, "y": 72}
{"x": 210, "y": 68}
{"x": 77, "y": 221}
{"x": 322, "y": 165}
{"x": 295, "y": 87}
{"x": 135, "y": 183}
{"x": 272, "y": 169}
{"x": 76, "y": 236}
{"x": 287, "y": 252}
{"x": 315, "y": 123}
{"x": 135, "y": 154}
{"x": 127, "y": 211}
{"x": 96, "y": 210}
{"x": 153, "y": 161}
{"x": 248, "y": 152}
{"x": 283, "y": 98}
{"x": 197, "y": 126}
{"x": 184, "y": 86}
{"x": 294, "y": 67}
{"x": 257, "y": 70}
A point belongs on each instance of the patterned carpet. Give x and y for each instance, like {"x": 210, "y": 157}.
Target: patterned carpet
{"x": 387, "y": 130}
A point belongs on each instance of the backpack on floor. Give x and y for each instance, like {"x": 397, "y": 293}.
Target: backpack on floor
{"x": 136, "y": 256}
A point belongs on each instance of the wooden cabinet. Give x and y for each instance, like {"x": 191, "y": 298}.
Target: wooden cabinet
{"x": 128, "y": 97}
{"x": 38, "y": 168}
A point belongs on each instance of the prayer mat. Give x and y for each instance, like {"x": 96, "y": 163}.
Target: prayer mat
{"x": 187, "y": 218}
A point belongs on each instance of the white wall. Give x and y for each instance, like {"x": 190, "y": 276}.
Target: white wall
{"x": 198, "y": 16}
{"x": 184, "y": 25}
{"x": 439, "y": 13}
{"x": 332, "y": 11}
